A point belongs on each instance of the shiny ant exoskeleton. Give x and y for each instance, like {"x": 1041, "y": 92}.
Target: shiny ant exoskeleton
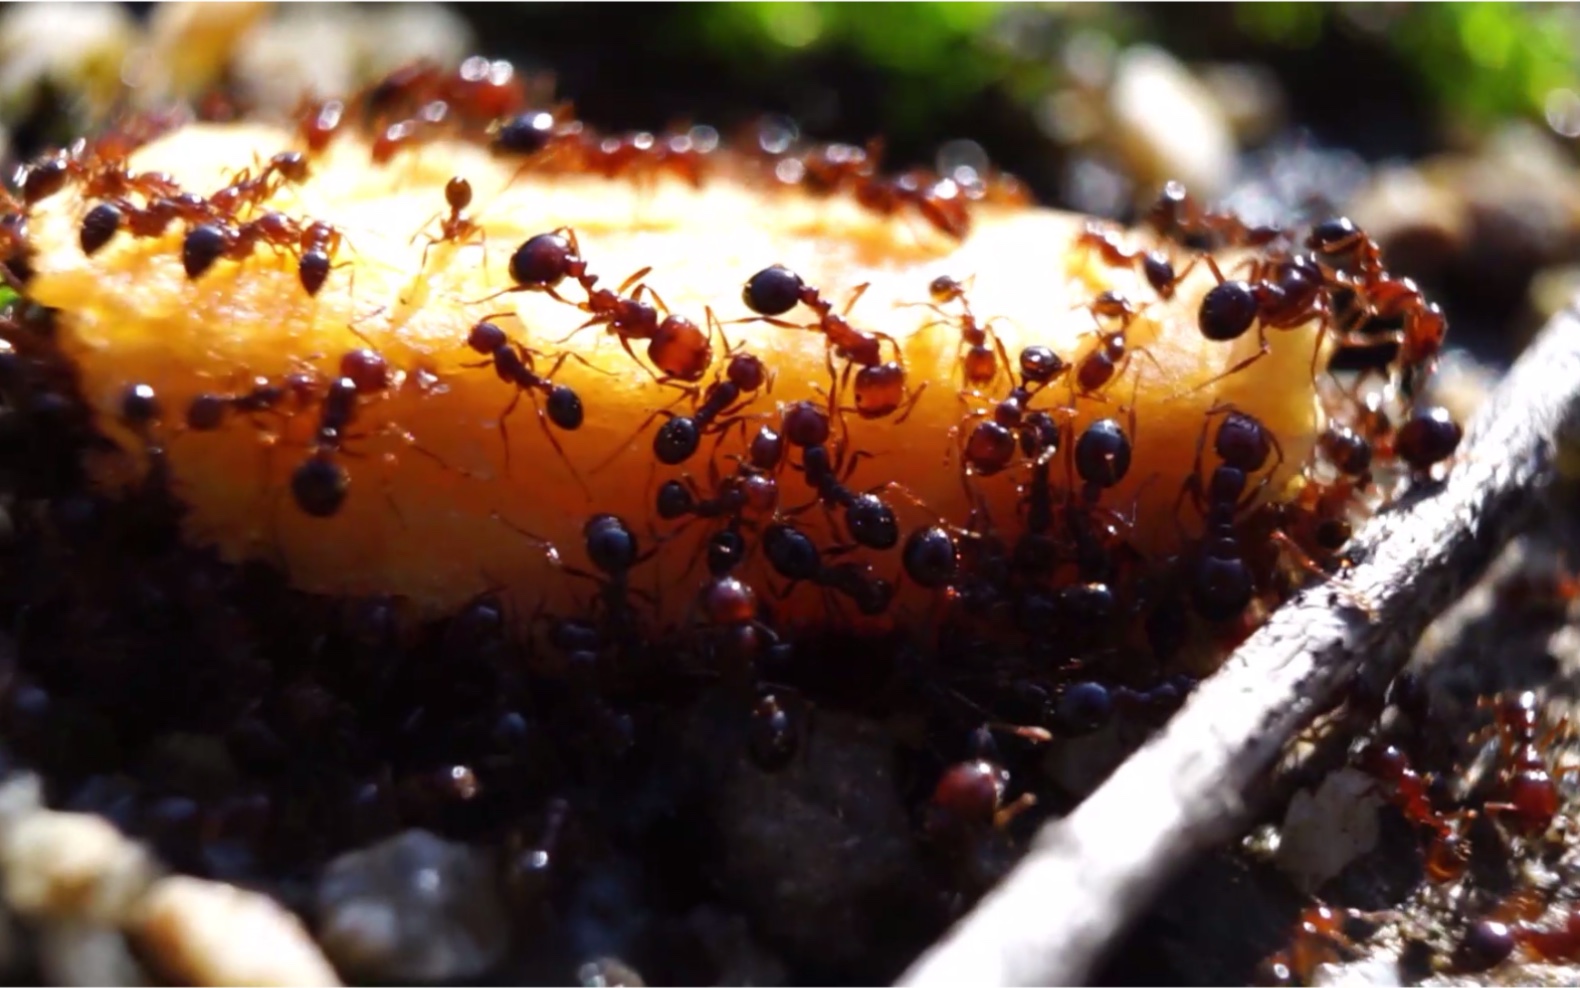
{"x": 1529, "y": 797}
{"x": 1285, "y": 294}
{"x": 208, "y": 411}
{"x": 677, "y": 347}
{"x": 513, "y": 363}
{"x": 880, "y": 388}
{"x": 319, "y": 485}
{"x": 1107, "y": 359}
{"x": 930, "y": 557}
{"x": 317, "y": 248}
{"x": 205, "y": 243}
{"x": 1223, "y": 582}
{"x": 981, "y": 354}
{"x": 969, "y": 799}
{"x": 868, "y": 520}
{"x": 456, "y": 227}
{"x": 1155, "y": 264}
{"x": 1426, "y": 439}
{"x": 1447, "y": 854}
{"x": 990, "y": 446}
{"x": 794, "y": 556}
{"x": 250, "y": 190}
{"x": 677, "y": 440}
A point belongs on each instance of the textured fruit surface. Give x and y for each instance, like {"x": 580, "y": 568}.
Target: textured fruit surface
{"x": 434, "y": 506}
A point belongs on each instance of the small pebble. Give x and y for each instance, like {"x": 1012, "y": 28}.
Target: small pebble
{"x": 207, "y": 933}
{"x": 412, "y": 908}
{"x": 72, "y": 866}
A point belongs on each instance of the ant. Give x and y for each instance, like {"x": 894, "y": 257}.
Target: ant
{"x": 990, "y": 447}
{"x": 1530, "y": 797}
{"x": 457, "y": 226}
{"x": 1224, "y": 584}
{"x": 969, "y": 798}
{"x": 318, "y": 246}
{"x": 1448, "y": 854}
{"x": 250, "y": 190}
{"x": 1429, "y": 437}
{"x": 1283, "y": 294}
{"x": 319, "y": 484}
{"x": 1106, "y": 360}
{"x": 677, "y": 347}
{"x": 677, "y": 439}
{"x": 513, "y": 363}
{"x": 207, "y": 411}
{"x": 206, "y": 243}
{"x": 869, "y": 521}
{"x": 1155, "y": 264}
{"x": 980, "y": 364}
{"x": 1321, "y": 936}
{"x": 1177, "y": 215}
{"x": 318, "y": 123}
{"x": 614, "y": 551}
{"x": 1349, "y": 258}
{"x": 794, "y": 556}
{"x": 880, "y": 385}
{"x": 930, "y": 557}
{"x": 102, "y": 177}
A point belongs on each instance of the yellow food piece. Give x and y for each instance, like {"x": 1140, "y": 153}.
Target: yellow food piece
{"x": 431, "y": 490}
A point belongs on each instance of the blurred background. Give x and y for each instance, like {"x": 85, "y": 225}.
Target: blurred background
{"x": 1448, "y": 130}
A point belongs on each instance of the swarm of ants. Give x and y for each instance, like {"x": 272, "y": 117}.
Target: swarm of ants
{"x": 1057, "y": 632}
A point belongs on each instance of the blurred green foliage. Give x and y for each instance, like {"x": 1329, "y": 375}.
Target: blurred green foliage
{"x": 932, "y": 53}
{"x": 1481, "y": 61}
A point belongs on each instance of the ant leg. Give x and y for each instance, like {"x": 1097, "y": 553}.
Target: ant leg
{"x": 543, "y": 422}
{"x": 625, "y": 285}
{"x": 1352, "y": 594}
{"x": 618, "y": 450}
{"x": 855, "y": 296}
{"x": 504, "y": 431}
{"x": 1264, "y": 350}
{"x": 910, "y": 404}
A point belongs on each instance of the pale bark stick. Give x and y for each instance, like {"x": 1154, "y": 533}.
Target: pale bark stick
{"x": 1088, "y": 876}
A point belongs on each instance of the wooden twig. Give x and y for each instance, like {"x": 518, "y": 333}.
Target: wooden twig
{"x": 1088, "y": 876}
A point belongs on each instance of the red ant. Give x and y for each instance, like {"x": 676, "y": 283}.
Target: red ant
{"x": 1155, "y": 264}
{"x": 249, "y": 190}
{"x": 677, "y": 439}
{"x": 319, "y": 484}
{"x": 513, "y": 363}
{"x": 1176, "y": 214}
{"x": 318, "y": 246}
{"x": 678, "y": 349}
{"x": 880, "y": 385}
{"x": 102, "y": 176}
{"x": 980, "y": 364}
{"x": 794, "y": 556}
{"x": 1107, "y": 359}
{"x": 319, "y": 121}
{"x": 1448, "y": 854}
{"x": 990, "y": 447}
{"x": 1320, "y": 937}
{"x": 457, "y": 227}
{"x": 1530, "y": 798}
{"x": 206, "y": 243}
{"x": 1286, "y": 293}
{"x": 1223, "y": 583}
